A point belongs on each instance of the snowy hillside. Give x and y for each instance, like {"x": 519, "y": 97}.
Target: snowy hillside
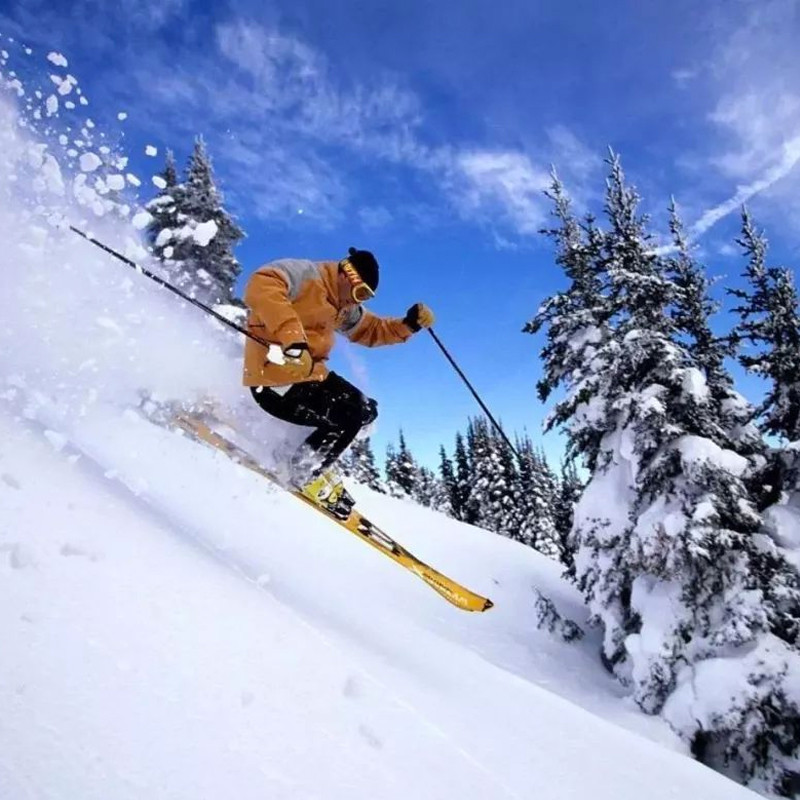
{"x": 175, "y": 628}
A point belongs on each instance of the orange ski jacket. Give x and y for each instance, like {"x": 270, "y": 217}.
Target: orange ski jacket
{"x": 291, "y": 301}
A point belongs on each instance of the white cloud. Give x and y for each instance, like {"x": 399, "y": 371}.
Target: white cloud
{"x": 684, "y": 77}
{"x": 272, "y": 182}
{"x": 571, "y": 156}
{"x": 757, "y": 112}
{"x": 374, "y": 218}
{"x": 288, "y": 131}
{"x": 506, "y": 182}
{"x": 291, "y": 79}
{"x": 787, "y": 163}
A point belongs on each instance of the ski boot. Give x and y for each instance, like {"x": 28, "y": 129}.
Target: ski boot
{"x": 327, "y": 491}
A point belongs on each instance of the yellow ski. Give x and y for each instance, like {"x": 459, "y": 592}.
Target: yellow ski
{"x": 356, "y": 523}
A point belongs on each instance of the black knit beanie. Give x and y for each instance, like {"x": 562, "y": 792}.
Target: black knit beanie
{"x": 366, "y": 266}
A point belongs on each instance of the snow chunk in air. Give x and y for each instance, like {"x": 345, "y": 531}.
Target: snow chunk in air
{"x": 90, "y": 162}
{"x": 150, "y": 150}
{"x": 115, "y": 182}
{"x": 141, "y": 220}
{"x": 57, "y": 59}
{"x": 159, "y": 182}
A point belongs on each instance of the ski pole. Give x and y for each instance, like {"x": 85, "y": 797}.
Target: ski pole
{"x": 474, "y": 393}
{"x": 167, "y": 285}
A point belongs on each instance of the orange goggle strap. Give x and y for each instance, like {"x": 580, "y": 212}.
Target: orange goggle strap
{"x": 359, "y": 290}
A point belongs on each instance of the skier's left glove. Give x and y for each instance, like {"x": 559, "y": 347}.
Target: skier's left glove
{"x": 419, "y": 316}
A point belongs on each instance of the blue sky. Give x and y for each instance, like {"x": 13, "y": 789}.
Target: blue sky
{"x": 425, "y": 132}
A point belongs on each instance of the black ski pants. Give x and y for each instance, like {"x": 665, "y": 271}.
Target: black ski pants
{"x": 336, "y": 408}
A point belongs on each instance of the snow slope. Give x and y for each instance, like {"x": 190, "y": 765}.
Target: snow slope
{"x": 172, "y": 627}
{"x": 197, "y": 634}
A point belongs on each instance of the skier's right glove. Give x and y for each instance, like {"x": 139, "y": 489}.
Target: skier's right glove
{"x": 299, "y": 363}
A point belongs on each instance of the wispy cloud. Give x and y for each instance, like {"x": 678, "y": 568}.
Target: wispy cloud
{"x": 506, "y": 182}
{"x": 504, "y": 189}
{"x": 290, "y": 79}
{"x": 683, "y": 77}
{"x": 791, "y": 155}
{"x": 756, "y": 116}
{"x": 295, "y": 138}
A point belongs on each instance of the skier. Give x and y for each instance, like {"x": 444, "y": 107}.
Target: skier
{"x": 294, "y": 307}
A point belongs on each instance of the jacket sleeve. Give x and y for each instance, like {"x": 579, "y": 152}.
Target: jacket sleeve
{"x": 267, "y": 296}
{"x": 374, "y": 331}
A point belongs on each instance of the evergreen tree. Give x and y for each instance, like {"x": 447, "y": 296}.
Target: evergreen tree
{"x": 449, "y": 496}
{"x": 462, "y": 508}
{"x": 492, "y": 498}
{"x": 425, "y": 487}
{"x": 440, "y": 497}
{"x": 401, "y": 470}
{"x": 693, "y": 307}
{"x": 392, "y": 471}
{"x": 668, "y": 551}
{"x": 691, "y": 312}
{"x": 770, "y": 322}
{"x": 359, "y": 461}
{"x": 569, "y": 492}
{"x": 536, "y": 501}
{"x": 192, "y": 230}
{"x": 163, "y": 209}
{"x": 577, "y": 322}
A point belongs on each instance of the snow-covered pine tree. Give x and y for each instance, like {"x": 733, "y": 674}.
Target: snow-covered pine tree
{"x": 669, "y": 555}
{"x": 391, "y": 471}
{"x": 447, "y": 481}
{"x": 536, "y": 501}
{"x": 205, "y": 234}
{"x": 163, "y": 209}
{"x": 359, "y": 461}
{"x": 492, "y": 501}
{"x": 691, "y": 311}
{"x": 462, "y": 508}
{"x": 440, "y": 497}
{"x": 401, "y": 470}
{"x": 570, "y": 488}
{"x": 425, "y": 487}
{"x": 577, "y": 323}
{"x": 771, "y": 324}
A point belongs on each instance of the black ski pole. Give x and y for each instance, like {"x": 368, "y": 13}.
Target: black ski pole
{"x": 167, "y": 285}
{"x": 474, "y": 393}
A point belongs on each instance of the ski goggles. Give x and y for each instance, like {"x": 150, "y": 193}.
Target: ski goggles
{"x": 359, "y": 291}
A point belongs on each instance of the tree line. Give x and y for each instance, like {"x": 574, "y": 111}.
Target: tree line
{"x": 483, "y": 483}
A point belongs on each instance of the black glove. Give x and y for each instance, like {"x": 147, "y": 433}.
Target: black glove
{"x": 419, "y": 316}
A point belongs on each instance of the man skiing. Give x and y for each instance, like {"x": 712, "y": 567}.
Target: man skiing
{"x": 295, "y": 306}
